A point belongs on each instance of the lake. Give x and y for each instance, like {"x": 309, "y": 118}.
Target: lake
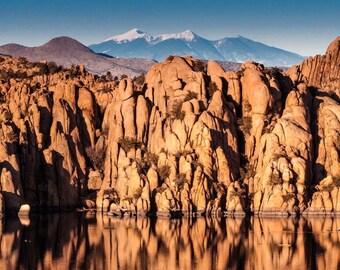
{"x": 94, "y": 241}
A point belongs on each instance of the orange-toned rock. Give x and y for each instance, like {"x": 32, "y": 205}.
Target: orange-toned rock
{"x": 192, "y": 139}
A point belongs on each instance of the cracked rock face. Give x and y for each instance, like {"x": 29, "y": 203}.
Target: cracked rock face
{"x": 189, "y": 139}
{"x": 321, "y": 71}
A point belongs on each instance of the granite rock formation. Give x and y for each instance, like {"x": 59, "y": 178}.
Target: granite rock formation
{"x": 188, "y": 138}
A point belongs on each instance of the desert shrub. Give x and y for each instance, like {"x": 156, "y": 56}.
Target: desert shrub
{"x": 137, "y": 193}
{"x": 191, "y": 95}
{"x": 142, "y": 167}
{"x": 246, "y": 106}
{"x": 245, "y": 124}
{"x": 111, "y": 194}
{"x": 328, "y": 188}
{"x": 198, "y": 66}
{"x": 3, "y": 75}
{"x": 195, "y": 164}
{"x": 29, "y": 113}
{"x": 6, "y": 75}
{"x": 240, "y": 72}
{"x": 8, "y": 115}
{"x": 161, "y": 189}
{"x": 23, "y": 60}
{"x": 275, "y": 179}
{"x": 124, "y": 76}
{"x": 109, "y": 76}
{"x": 237, "y": 193}
{"x": 151, "y": 158}
{"x": 287, "y": 197}
{"x": 2, "y": 97}
{"x": 105, "y": 89}
{"x": 20, "y": 75}
{"x": 35, "y": 87}
{"x": 247, "y": 170}
{"x": 2, "y": 59}
{"x": 74, "y": 71}
{"x": 128, "y": 143}
{"x": 102, "y": 79}
{"x": 180, "y": 180}
{"x": 13, "y": 136}
{"x": 267, "y": 129}
{"x": 43, "y": 68}
{"x": 96, "y": 156}
{"x": 266, "y": 71}
{"x": 219, "y": 187}
{"x": 53, "y": 68}
{"x": 181, "y": 153}
{"x": 335, "y": 184}
{"x": 139, "y": 79}
{"x": 164, "y": 172}
{"x": 176, "y": 110}
{"x": 274, "y": 71}
{"x": 277, "y": 156}
{"x": 170, "y": 58}
{"x": 212, "y": 88}
{"x": 9, "y": 74}
{"x": 336, "y": 180}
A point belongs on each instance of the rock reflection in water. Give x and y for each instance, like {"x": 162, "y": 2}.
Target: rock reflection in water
{"x": 73, "y": 241}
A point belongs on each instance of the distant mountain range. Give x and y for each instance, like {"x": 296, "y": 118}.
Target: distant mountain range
{"x": 137, "y": 44}
{"x": 66, "y": 51}
{"x": 135, "y": 52}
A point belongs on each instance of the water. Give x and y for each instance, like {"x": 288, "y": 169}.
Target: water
{"x": 89, "y": 241}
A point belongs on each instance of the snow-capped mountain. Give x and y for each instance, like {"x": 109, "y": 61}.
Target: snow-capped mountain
{"x": 130, "y": 36}
{"x": 136, "y": 43}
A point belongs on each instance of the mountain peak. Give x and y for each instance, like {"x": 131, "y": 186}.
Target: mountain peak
{"x": 65, "y": 43}
{"x": 235, "y": 49}
{"x": 187, "y": 35}
{"x": 129, "y": 36}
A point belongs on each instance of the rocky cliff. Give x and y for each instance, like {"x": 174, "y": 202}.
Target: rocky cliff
{"x": 189, "y": 139}
{"x": 321, "y": 71}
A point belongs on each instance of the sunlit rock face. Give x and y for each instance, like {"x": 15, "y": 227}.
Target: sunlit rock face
{"x": 185, "y": 139}
{"x": 321, "y": 71}
{"x": 171, "y": 149}
{"x": 72, "y": 241}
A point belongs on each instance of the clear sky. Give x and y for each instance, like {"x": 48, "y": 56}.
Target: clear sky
{"x": 302, "y": 26}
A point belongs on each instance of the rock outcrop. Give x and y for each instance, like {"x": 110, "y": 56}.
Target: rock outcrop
{"x": 321, "y": 71}
{"x": 188, "y": 139}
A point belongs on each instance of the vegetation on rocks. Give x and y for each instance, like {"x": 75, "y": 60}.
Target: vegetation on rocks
{"x": 128, "y": 143}
{"x": 256, "y": 141}
{"x": 176, "y": 111}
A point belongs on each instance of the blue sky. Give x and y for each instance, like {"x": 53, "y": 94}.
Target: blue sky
{"x": 302, "y": 26}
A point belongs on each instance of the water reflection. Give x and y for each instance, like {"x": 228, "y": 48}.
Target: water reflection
{"x": 78, "y": 241}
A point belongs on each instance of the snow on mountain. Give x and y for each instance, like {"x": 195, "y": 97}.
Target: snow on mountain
{"x": 136, "y": 43}
{"x": 187, "y": 35}
{"x": 129, "y": 36}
